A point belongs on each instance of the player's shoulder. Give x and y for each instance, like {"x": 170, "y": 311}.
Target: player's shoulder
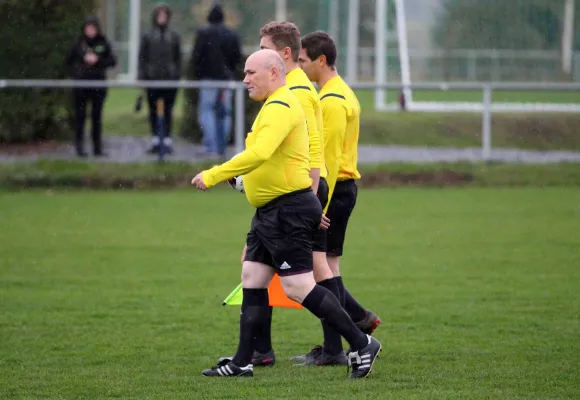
{"x": 338, "y": 92}
{"x": 298, "y": 82}
{"x": 283, "y": 101}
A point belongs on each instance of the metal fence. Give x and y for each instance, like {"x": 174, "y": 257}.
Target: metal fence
{"x": 468, "y": 40}
{"x": 240, "y": 95}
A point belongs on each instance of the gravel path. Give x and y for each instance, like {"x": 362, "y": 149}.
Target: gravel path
{"x": 125, "y": 149}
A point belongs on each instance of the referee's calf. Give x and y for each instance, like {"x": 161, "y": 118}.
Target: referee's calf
{"x": 275, "y": 167}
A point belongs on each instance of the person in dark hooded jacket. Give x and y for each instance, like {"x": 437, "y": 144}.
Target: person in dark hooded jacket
{"x": 216, "y": 54}
{"x": 159, "y": 60}
{"x": 89, "y": 59}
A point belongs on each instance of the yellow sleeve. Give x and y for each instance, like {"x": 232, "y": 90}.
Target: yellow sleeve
{"x": 334, "y": 130}
{"x": 270, "y": 134}
{"x": 304, "y": 96}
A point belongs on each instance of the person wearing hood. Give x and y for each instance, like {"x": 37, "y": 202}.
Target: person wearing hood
{"x": 88, "y": 59}
{"x": 160, "y": 60}
{"x": 215, "y": 56}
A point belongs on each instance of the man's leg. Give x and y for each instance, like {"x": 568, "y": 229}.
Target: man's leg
{"x": 224, "y": 120}
{"x": 256, "y": 277}
{"x": 293, "y": 259}
{"x": 169, "y": 96}
{"x": 152, "y": 95}
{"x": 324, "y": 305}
{"x": 331, "y": 352}
{"x": 207, "y": 118}
{"x": 339, "y": 212}
{"x": 257, "y": 272}
{"x": 80, "y": 102}
{"x": 264, "y": 355}
{"x": 98, "y": 96}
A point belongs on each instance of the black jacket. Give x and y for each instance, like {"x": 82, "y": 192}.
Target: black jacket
{"x": 160, "y": 51}
{"x": 217, "y": 51}
{"x": 76, "y": 65}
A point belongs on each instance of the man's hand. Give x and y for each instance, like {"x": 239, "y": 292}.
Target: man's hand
{"x": 198, "y": 182}
{"x": 324, "y": 223}
{"x": 91, "y": 58}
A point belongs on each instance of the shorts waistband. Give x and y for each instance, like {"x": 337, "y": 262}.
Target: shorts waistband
{"x": 280, "y": 198}
{"x": 344, "y": 182}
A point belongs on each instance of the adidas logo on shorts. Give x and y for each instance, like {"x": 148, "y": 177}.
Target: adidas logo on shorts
{"x": 285, "y": 265}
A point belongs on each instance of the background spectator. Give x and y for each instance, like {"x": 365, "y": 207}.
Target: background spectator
{"x": 216, "y": 53}
{"x": 160, "y": 59}
{"x": 88, "y": 59}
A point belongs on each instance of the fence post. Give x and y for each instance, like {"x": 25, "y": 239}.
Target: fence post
{"x": 486, "y": 124}
{"x": 239, "y": 120}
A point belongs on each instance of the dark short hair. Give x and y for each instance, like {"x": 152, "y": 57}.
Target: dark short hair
{"x": 283, "y": 34}
{"x": 320, "y": 43}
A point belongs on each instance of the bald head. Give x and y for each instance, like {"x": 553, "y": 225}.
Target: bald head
{"x": 265, "y": 72}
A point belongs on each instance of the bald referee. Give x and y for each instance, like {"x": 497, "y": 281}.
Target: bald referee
{"x": 275, "y": 166}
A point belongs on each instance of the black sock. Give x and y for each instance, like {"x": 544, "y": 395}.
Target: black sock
{"x": 254, "y": 314}
{"x": 341, "y": 289}
{"x": 263, "y": 341}
{"x": 353, "y": 308}
{"x": 322, "y": 303}
{"x": 332, "y": 339}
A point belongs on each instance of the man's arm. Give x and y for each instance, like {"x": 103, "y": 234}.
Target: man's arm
{"x": 303, "y": 95}
{"x": 177, "y": 54}
{"x": 269, "y": 136}
{"x": 334, "y": 129}
{"x": 142, "y": 67}
{"x": 197, "y": 52}
{"x": 108, "y": 59}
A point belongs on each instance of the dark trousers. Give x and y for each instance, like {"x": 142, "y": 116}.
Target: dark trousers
{"x": 96, "y": 96}
{"x": 168, "y": 96}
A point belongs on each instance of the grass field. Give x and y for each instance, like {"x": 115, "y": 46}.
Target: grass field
{"x": 528, "y": 131}
{"x": 118, "y": 294}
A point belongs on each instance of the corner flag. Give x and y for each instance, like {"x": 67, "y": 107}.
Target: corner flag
{"x": 275, "y": 293}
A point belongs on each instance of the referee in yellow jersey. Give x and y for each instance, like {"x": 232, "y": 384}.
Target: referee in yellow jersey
{"x": 284, "y": 38}
{"x": 275, "y": 166}
{"x": 341, "y": 122}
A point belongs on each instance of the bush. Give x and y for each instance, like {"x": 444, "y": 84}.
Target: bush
{"x": 36, "y": 36}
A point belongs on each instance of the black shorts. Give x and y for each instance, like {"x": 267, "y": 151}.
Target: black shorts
{"x": 319, "y": 242}
{"x": 341, "y": 205}
{"x": 282, "y": 232}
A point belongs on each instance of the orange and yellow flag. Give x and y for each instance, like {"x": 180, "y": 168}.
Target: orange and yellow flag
{"x": 275, "y": 292}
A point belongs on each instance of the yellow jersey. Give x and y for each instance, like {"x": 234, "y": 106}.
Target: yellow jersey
{"x": 276, "y": 159}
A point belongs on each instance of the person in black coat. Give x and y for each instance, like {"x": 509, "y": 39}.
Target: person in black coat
{"x": 160, "y": 60}
{"x": 215, "y": 56}
{"x": 89, "y": 59}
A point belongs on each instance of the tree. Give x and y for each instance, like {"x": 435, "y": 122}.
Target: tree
{"x": 499, "y": 24}
{"x": 36, "y": 36}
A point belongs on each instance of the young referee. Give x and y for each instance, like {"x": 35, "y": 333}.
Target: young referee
{"x": 341, "y": 122}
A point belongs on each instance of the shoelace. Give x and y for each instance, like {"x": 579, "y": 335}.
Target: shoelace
{"x": 353, "y": 361}
{"x": 315, "y": 350}
{"x": 221, "y": 364}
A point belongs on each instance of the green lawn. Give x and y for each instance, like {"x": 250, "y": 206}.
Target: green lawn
{"x": 537, "y": 131}
{"x": 118, "y": 294}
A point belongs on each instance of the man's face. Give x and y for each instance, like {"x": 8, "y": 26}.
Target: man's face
{"x": 257, "y": 78}
{"x": 267, "y": 43}
{"x": 90, "y": 31}
{"x": 162, "y": 17}
{"x": 309, "y": 67}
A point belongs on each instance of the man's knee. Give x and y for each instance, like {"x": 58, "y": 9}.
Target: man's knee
{"x": 297, "y": 287}
{"x": 322, "y": 270}
{"x": 333, "y": 263}
{"x": 256, "y": 275}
